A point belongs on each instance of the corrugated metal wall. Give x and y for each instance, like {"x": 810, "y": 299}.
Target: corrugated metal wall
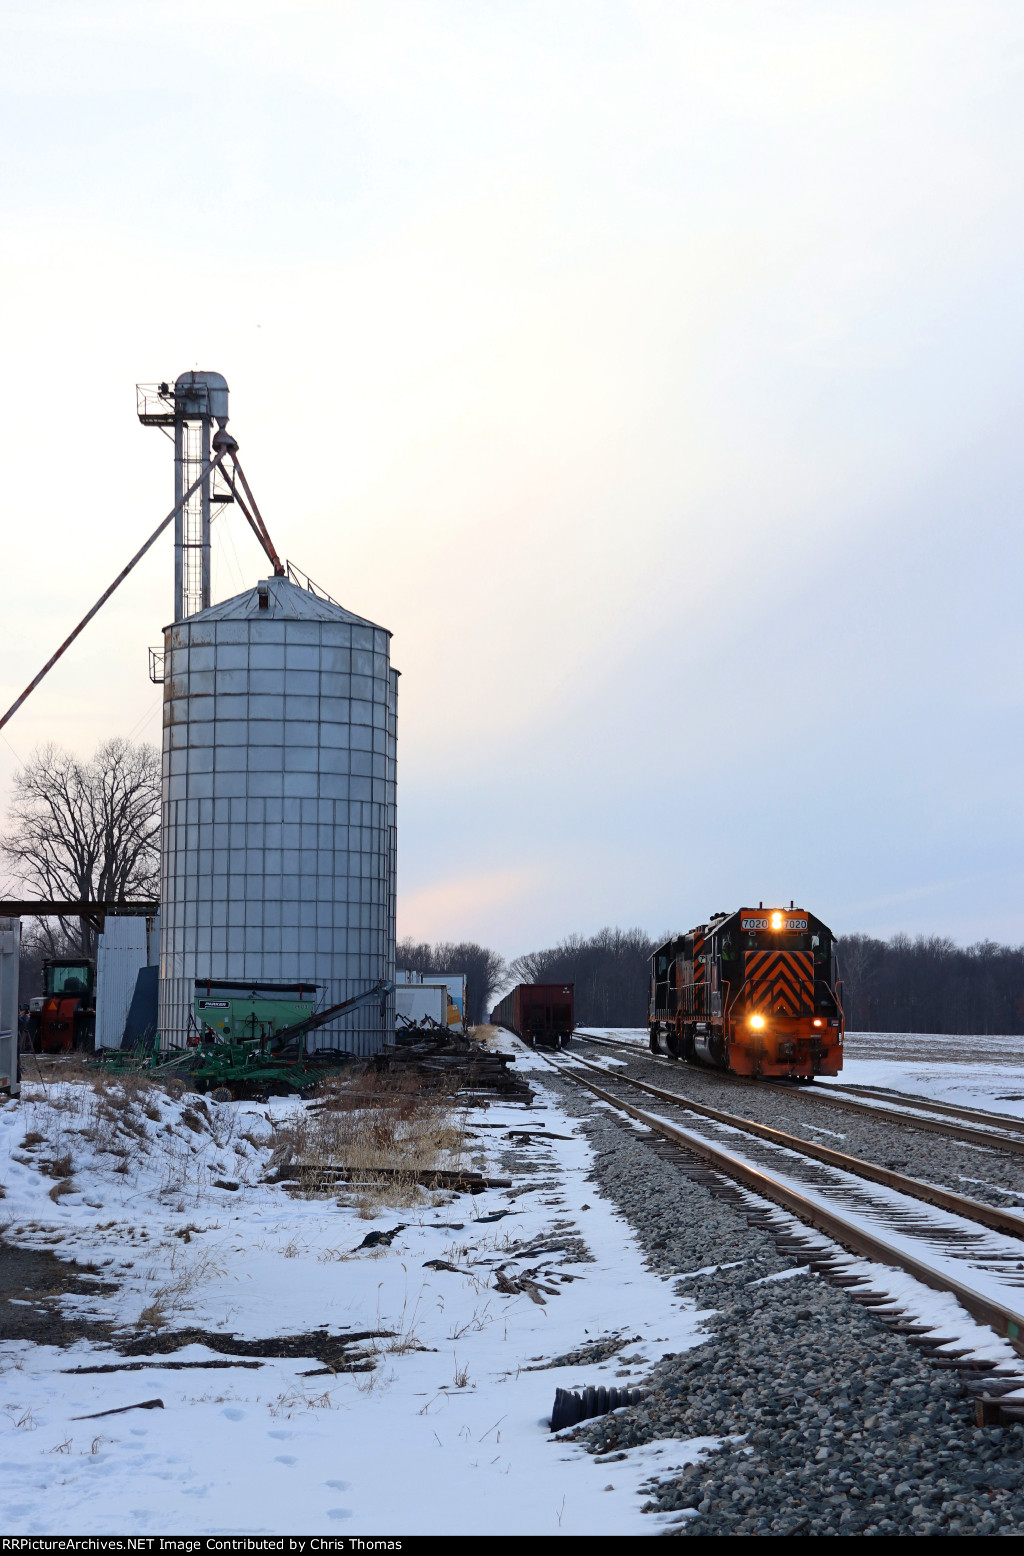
{"x": 278, "y": 828}
{"x": 120, "y": 952}
{"x": 10, "y": 947}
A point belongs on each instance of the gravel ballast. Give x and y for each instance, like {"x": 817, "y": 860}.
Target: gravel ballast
{"x": 838, "y": 1425}
{"x": 981, "y": 1172}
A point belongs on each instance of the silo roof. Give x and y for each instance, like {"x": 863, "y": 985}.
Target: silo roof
{"x": 288, "y": 601}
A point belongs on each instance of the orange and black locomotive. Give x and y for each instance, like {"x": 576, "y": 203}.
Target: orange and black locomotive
{"x": 755, "y": 992}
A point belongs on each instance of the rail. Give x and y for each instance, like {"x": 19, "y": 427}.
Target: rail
{"x": 908, "y": 1099}
{"x": 946, "y": 1199}
{"x": 829, "y": 1096}
{"x": 848, "y": 1230}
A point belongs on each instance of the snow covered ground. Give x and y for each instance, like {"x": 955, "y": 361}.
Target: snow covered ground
{"x": 977, "y": 1072}
{"x": 446, "y": 1434}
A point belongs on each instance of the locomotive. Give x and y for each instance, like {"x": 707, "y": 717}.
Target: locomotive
{"x": 755, "y": 992}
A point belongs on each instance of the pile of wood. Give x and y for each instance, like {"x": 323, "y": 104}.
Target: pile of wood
{"x": 459, "y": 1065}
{"x": 459, "y": 1182}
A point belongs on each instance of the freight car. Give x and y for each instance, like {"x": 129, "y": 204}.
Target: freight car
{"x": 755, "y": 992}
{"x": 539, "y": 1013}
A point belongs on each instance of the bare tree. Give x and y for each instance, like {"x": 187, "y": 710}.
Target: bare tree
{"x": 930, "y": 984}
{"x": 86, "y": 831}
{"x": 611, "y": 971}
{"x": 484, "y": 969}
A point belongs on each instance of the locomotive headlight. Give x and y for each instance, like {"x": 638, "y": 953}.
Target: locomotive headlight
{"x": 818, "y": 1021}
{"x": 757, "y": 1022}
{"x": 776, "y": 920}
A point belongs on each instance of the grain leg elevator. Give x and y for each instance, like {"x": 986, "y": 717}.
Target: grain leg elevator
{"x": 278, "y": 848}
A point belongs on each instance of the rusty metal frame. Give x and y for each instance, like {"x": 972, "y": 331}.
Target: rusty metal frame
{"x": 252, "y": 513}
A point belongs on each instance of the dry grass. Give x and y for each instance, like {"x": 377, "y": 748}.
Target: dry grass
{"x": 387, "y": 1131}
{"x": 118, "y": 1117}
{"x": 155, "y": 1314}
{"x": 186, "y": 1274}
{"x": 296, "y": 1399}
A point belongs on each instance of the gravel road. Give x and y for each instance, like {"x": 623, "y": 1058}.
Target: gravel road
{"x": 841, "y": 1427}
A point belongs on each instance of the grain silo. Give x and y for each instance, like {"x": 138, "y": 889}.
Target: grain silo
{"x": 278, "y": 838}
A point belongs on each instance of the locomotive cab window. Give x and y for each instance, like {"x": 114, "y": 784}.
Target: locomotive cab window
{"x": 776, "y": 940}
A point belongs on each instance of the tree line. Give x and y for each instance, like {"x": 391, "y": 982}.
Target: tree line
{"x": 930, "y": 984}
{"x": 484, "y": 969}
{"x": 611, "y": 971}
{"x": 904, "y": 984}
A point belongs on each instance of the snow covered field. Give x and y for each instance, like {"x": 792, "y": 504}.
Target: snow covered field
{"x": 446, "y": 1432}
{"x": 977, "y": 1072}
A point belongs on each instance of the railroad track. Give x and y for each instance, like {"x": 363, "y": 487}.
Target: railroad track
{"x": 947, "y": 1241}
{"x": 972, "y": 1125}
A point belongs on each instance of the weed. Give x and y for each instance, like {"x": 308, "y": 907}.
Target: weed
{"x": 154, "y": 1314}
{"x": 474, "y": 1325}
{"x": 382, "y": 1133}
{"x": 295, "y": 1399}
{"x": 64, "y": 1447}
{"x": 65, "y": 1186}
{"x": 373, "y": 1382}
{"x": 461, "y": 1378}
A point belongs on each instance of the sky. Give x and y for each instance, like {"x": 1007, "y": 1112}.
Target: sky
{"x": 653, "y": 372}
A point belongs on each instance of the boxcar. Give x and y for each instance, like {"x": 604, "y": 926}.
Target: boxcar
{"x": 539, "y": 1013}
{"x": 755, "y": 992}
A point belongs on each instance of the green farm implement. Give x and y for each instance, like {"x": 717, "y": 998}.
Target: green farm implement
{"x": 272, "y": 1058}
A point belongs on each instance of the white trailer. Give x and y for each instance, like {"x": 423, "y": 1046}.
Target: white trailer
{"x": 454, "y": 983}
{"x": 420, "y": 1005}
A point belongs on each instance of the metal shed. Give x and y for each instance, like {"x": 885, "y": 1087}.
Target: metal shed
{"x": 121, "y": 950}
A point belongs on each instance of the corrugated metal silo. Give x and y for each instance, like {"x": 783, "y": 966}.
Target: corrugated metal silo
{"x": 278, "y": 837}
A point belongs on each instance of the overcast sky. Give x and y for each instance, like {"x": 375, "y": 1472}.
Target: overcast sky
{"x": 653, "y": 371}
